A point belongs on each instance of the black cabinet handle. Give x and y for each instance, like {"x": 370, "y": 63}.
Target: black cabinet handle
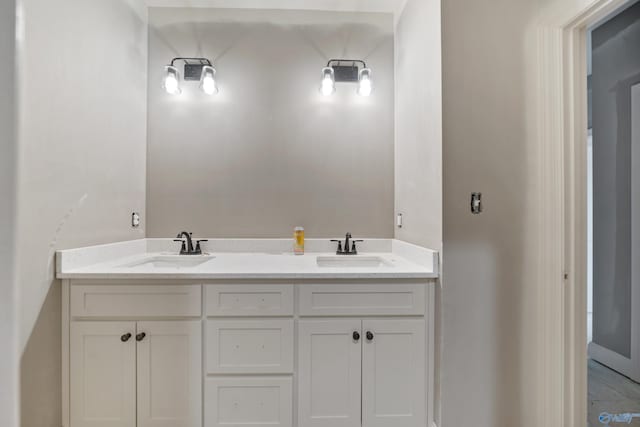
{"x": 356, "y": 336}
{"x": 370, "y": 335}
{"x": 140, "y": 336}
{"x": 125, "y": 337}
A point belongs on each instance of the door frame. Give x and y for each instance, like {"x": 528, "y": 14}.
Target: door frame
{"x": 562, "y": 139}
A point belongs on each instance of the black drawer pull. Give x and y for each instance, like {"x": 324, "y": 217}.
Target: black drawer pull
{"x": 125, "y": 337}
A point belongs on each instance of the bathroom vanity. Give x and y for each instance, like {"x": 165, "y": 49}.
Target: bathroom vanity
{"x": 248, "y": 334}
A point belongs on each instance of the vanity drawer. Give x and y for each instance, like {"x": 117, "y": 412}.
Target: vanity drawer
{"x": 248, "y": 401}
{"x": 362, "y": 300}
{"x": 249, "y": 300}
{"x": 136, "y": 301}
{"x": 262, "y": 346}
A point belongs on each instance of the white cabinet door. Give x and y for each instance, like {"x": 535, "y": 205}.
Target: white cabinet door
{"x": 329, "y": 373}
{"x": 393, "y": 373}
{"x": 102, "y": 375}
{"x": 169, "y": 374}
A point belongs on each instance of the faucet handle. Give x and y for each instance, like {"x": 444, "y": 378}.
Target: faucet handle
{"x": 198, "y": 248}
{"x": 183, "y": 249}
{"x": 339, "y": 245}
{"x": 353, "y": 246}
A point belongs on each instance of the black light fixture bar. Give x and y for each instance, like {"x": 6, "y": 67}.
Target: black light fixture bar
{"x": 202, "y": 61}
{"x": 353, "y": 61}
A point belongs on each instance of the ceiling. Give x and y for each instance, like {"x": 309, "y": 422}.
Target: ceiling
{"x": 385, "y": 6}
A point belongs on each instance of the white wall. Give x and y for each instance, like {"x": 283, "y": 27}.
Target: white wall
{"x": 418, "y": 137}
{"x": 418, "y": 123}
{"x": 81, "y": 162}
{"x": 269, "y": 152}
{"x": 9, "y": 391}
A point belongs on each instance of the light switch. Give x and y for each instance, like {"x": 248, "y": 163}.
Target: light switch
{"x": 135, "y": 220}
{"x": 476, "y": 203}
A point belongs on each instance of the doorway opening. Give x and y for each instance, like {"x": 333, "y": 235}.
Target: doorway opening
{"x": 613, "y": 218}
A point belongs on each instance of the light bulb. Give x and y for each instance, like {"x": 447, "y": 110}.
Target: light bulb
{"x": 171, "y": 82}
{"x": 364, "y": 82}
{"x": 208, "y": 80}
{"x": 328, "y": 86}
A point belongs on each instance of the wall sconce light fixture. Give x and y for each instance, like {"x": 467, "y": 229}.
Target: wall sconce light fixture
{"x": 364, "y": 82}
{"x": 208, "y": 80}
{"x": 195, "y": 69}
{"x": 171, "y": 80}
{"x": 349, "y": 71}
{"x": 328, "y": 85}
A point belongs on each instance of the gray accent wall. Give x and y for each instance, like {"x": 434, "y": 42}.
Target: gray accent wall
{"x": 491, "y": 369}
{"x": 616, "y": 68}
{"x": 269, "y": 152}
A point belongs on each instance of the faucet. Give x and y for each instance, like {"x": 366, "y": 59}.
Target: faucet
{"x": 348, "y": 250}
{"x": 187, "y": 244}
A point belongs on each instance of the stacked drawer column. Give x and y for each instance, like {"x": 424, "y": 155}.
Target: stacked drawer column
{"x": 249, "y": 355}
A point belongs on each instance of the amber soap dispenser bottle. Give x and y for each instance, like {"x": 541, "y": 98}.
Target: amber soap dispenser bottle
{"x": 298, "y": 241}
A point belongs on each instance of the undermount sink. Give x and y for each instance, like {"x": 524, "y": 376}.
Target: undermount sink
{"x": 353, "y": 261}
{"x": 171, "y": 261}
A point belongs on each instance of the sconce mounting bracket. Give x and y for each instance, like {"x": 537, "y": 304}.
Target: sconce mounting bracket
{"x": 345, "y": 73}
{"x": 346, "y": 70}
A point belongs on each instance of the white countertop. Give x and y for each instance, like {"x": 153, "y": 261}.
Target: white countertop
{"x": 245, "y": 259}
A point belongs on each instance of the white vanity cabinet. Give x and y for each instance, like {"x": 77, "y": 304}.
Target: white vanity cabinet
{"x": 368, "y": 369}
{"x": 145, "y": 374}
{"x": 247, "y": 353}
{"x": 356, "y": 373}
{"x": 125, "y": 371}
